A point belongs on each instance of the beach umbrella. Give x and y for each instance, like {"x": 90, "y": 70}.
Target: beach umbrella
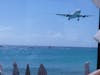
{"x": 97, "y": 72}
{"x": 97, "y": 3}
{"x": 27, "y": 70}
{"x": 15, "y": 69}
{"x": 42, "y": 70}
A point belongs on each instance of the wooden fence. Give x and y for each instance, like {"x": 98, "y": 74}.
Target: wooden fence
{"x": 41, "y": 70}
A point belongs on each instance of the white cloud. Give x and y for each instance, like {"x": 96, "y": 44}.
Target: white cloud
{"x": 5, "y": 28}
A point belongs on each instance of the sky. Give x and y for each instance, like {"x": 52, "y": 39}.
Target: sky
{"x": 34, "y": 22}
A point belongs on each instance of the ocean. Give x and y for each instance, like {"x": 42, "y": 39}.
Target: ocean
{"x": 57, "y": 60}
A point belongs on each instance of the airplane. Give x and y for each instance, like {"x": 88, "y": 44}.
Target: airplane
{"x": 76, "y": 14}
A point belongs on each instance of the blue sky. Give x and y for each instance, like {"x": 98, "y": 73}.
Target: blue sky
{"x": 33, "y": 22}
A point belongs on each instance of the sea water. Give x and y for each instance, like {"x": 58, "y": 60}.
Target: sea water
{"x": 57, "y": 60}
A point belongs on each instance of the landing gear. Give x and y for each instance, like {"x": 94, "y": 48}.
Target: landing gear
{"x": 78, "y": 19}
{"x": 68, "y": 18}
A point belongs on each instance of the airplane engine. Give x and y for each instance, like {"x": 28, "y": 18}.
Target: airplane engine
{"x": 84, "y": 16}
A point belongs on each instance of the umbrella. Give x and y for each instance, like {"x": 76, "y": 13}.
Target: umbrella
{"x": 97, "y": 3}
{"x": 27, "y": 70}
{"x": 42, "y": 70}
{"x": 97, "y": 72}
{"x": 15, "y": 69}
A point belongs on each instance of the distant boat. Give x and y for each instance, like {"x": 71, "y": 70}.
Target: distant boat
{"x": 49, "y": 46}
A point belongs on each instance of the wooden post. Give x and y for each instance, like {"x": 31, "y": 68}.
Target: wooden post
{"x": 15, "y": 69}
{"x": 87, "y": 70}
{"x": 0, "y": 70}
{"x": 42, "y": 70}
{"x": 27, "y": 70}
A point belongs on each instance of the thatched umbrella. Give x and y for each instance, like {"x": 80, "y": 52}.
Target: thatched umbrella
{"x": 15, "y": 69}
{"x": 27, "y": 70}
{"x": 42, "y": 70}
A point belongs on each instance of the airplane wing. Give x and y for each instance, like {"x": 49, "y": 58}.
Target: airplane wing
{"x": 84, "y": 16}
{"x": 66, "y": 15}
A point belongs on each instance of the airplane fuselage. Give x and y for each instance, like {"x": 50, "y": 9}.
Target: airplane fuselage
{"x": 74, "y": 15}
